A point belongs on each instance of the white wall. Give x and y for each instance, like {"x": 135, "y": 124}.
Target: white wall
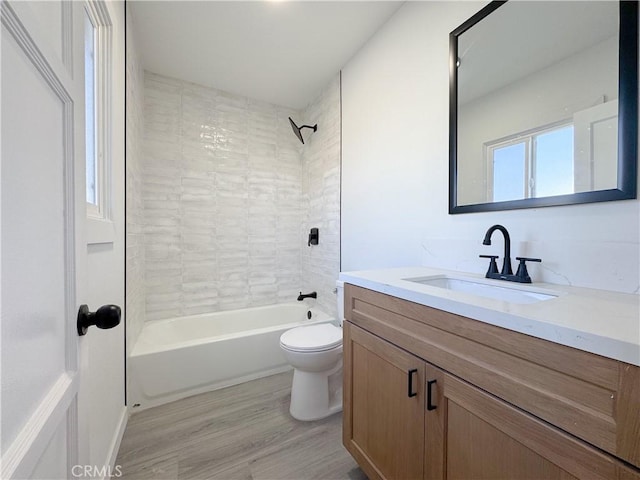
{"x": 395, "y": 173}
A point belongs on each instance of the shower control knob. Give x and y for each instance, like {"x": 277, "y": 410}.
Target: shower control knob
{"x": 107, "y": 316}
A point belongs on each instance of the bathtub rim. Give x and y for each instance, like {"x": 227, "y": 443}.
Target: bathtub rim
{"x": 318, "y": 316}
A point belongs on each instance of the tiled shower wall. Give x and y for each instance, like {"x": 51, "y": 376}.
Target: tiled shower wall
{"x": 321, "y": 195}
{"x": 135, "y": 263}
{"x": 222, "y": 191}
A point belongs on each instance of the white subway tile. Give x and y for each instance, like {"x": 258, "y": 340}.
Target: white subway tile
{"x": 225, "y": 189}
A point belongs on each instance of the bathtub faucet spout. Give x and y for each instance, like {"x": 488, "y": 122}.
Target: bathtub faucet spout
{"x": 307, "y": 295}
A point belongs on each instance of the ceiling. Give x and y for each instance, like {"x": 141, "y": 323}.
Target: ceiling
{"x": 281, "y": 52}
{"x": 521, "y": 38}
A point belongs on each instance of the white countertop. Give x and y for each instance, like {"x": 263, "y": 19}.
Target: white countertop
{"x": 597, "y": 321}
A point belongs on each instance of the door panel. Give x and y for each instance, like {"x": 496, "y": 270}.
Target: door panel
{"x": 41, "y": 112}
{"x": 503, "y": 456}
{"x": 30, "y": 105}
{"x": 49, "y": 16}
{"x": 53, "y": 462}
{"x": 487, "y": 439}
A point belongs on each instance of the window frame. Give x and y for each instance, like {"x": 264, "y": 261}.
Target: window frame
{"x": 527, "y": 137}
{"x": 100, "y": 227}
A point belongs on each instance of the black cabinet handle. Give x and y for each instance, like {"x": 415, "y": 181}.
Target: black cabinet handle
{"x": 410, "y": 392}
{"x": 430, "y": 405}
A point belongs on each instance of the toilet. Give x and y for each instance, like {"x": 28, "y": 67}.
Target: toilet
{"x": 315, "y": 353}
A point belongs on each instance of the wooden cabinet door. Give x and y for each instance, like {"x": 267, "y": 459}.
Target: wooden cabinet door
{"x": 383, "y": 423}
{"x": 487, "y": 438}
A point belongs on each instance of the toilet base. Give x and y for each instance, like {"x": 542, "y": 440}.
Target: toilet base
{"x": 316, "y": 395}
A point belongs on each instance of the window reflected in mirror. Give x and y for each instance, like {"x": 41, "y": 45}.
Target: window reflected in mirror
{"x": 536, "y": 164}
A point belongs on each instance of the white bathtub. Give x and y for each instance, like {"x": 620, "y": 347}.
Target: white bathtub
{"x": 184, "y": 356}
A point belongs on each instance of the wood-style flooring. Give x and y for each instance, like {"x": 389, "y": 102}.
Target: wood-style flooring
{"x": 241, "y": 432}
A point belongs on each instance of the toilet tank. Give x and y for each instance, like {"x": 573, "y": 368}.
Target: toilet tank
{"x": 340, "y": 300}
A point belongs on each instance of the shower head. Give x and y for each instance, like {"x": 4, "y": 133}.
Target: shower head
{"x": 296, "y": 129}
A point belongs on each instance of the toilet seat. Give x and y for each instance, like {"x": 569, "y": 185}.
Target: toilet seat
{"x": 312, "y": 338}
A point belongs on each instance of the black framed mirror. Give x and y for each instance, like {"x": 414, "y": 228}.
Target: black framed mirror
{"x": 543, "y": 105}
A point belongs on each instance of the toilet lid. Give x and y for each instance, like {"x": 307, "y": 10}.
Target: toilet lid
{"x": 323, "y": 336}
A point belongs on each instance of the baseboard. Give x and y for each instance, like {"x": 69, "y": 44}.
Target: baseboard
{"x": 117, "y": 439}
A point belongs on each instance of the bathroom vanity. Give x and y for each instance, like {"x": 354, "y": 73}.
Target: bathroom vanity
{"x": 443, "y": 383}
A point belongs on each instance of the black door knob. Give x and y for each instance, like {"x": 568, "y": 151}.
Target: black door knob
{"x": 107, "y": 316}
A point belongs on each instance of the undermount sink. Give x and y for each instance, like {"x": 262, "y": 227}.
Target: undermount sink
{"x": 477, "y": 287}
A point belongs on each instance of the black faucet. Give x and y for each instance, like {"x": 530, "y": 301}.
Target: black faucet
{"x": 522, "y": 275}
{"x": 307, "y": 295}
{"x": 506, "y": 265}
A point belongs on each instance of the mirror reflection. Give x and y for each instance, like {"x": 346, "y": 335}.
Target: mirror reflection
{"x": 537, "y": 102}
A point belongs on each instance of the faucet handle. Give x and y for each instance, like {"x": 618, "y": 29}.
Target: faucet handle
{"x": 527, "y": 259}
{"x": 493, "y": 266}
{"x": 522, "y": 273}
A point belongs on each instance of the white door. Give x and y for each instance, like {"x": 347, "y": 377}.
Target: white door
{"x": 46, "y": 429}
{"x": 596, "y": 147}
